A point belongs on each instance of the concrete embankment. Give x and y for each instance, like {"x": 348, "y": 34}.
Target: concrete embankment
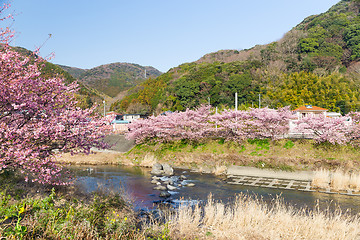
{"x": 118, "y": 143}
{"x": 267, "y": 173}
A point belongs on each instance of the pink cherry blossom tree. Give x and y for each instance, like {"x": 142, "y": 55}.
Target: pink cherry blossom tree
{"x": 39, "y": 117}
{"x": 353, "y": 122}
{"x": 201, "y": 123}
{"x": 326, "y": 129}
{"x": 254, "y": 123}
{"x": 191, "y": 125}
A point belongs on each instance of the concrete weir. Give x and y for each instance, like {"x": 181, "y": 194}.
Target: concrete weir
{"x": 300, "y": 181}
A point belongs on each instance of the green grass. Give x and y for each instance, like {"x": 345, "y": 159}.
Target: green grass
{"x": 62, "y": 213}
{"x": 283, "y": 154}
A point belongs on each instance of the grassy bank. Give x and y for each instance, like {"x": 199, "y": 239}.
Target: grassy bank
{"x": 33, "y": 211}
{"x": 285, "y": 155}
{"x": 250, "y": 218}
{"x": 341, "y": 163}
{"x": 215, "y": 156}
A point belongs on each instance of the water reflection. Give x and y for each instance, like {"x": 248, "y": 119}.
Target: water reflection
{"x": 135, "y": 182}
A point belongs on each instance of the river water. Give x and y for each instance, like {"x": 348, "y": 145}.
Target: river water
{"x": 135, "y": 183}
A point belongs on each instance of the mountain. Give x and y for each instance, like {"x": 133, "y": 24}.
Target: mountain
{"x": 317, "y": 62}
{"x": 73, "y": 71}
{"x": 86, "y": 96}
{"x": 115, "y": 78}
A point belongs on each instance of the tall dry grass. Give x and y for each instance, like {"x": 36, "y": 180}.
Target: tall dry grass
{"x": 337, "y": 180}
{"x": 219, "y": 170}
{"x": 149, "y": 160}
{"x": 321, "y": 179}
{"x": 355, "y": 181}
{"x": 251, "y": 218}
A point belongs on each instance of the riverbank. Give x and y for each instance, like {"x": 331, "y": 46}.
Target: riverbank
{"x": 217, "y": 156}
{"x": 66, "y": 213}
{"x": 35, "y": 211}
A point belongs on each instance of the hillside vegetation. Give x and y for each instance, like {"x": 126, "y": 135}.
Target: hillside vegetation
{"x": 73, "y": 71}
{"x": 317, "y": 63}
{"x": 86, "y": 96}
{"x": 111, "y": 79}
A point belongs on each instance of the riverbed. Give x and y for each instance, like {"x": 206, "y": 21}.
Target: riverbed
{"x": 134, "y": 182}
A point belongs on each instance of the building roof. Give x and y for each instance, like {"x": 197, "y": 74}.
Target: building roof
{"x": 112, "y": 113}
{"x": 119, "y": 122}
{"x": 310, "y": 108}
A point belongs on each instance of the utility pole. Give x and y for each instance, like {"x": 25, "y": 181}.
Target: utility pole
{"x": 259, "y": 100}
{"x": 209, "y": 100}
{"x": 104, "y": 107}
{"x": 216, "y": 111}
{"x": 145, "y": 74}
{"x": 236, "y": 101}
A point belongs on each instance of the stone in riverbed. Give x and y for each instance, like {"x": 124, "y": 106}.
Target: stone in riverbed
{"x": 157, "y": 169}
{"x": 168, "y": 170}
{"x": 169, "y": 181}
{"x": 190, "y": 184}
{"x": 154, "y": 181}
{"x": 171, "y": 188}
{"x": 160, "y": 188}
{"x": 182, "y": 177}
{"x": 165, "y": 194}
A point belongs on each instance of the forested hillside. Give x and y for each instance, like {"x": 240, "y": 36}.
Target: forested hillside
{"x": 317, "y": 62}
{"x": 86, "y": 96}
{"x": 73, "y": 71}
{"x": 111, "y": 79}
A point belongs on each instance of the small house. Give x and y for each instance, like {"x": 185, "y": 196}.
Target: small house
{"x": 310, "y": 110}
{"x": 131, "y": 117}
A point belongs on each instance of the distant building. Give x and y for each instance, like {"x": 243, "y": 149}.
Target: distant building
{"x": 307, "y": 111}
{"x": 120, "y": 121}
{"x": 333, "y": 114}
{"x": 168, "y": 112}
{"x": 310, "y": 110}
{"x": 131, "y": 117}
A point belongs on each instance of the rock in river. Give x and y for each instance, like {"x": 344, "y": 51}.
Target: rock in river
{"x": 160, "y": 188}
{"x": 157, "y": 169}
{"x": 168, "y": 170}
{"x": 165, "y": 194}
{"x": 171, "y": 188}
{"x": 182, "y": 177}
{"x": 154, "y": 181}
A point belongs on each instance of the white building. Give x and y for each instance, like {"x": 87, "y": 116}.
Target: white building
{"x": 131, "y": 117}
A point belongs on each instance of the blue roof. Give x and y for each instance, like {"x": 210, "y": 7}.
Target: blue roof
{"x": 119, "y": 122}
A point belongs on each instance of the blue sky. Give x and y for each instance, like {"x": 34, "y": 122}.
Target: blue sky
{"x": 158, "y": 33}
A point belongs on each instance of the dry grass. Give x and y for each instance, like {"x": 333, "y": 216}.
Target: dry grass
{"x": 338, "y": 180}
{"x": 219, "y": 170}
{"x": 355, "y": 181}
{"x": 96, "y": 158}
{"x": 302, "y": 155}
{"x": 149, "y": 160}
{"x": 251, "y": 218}
{"x": 321, "y": 179}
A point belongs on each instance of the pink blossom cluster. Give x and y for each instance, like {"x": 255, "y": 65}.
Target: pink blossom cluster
{"x": 191, "y": 124}
{"x": 202, "y": 123}
{"x": 326, "y": 129}
{"x": 38, "y": 117}
{"x": 256, "y": 123}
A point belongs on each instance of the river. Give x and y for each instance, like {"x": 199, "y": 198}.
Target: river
{"x": 135, "y": 183}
